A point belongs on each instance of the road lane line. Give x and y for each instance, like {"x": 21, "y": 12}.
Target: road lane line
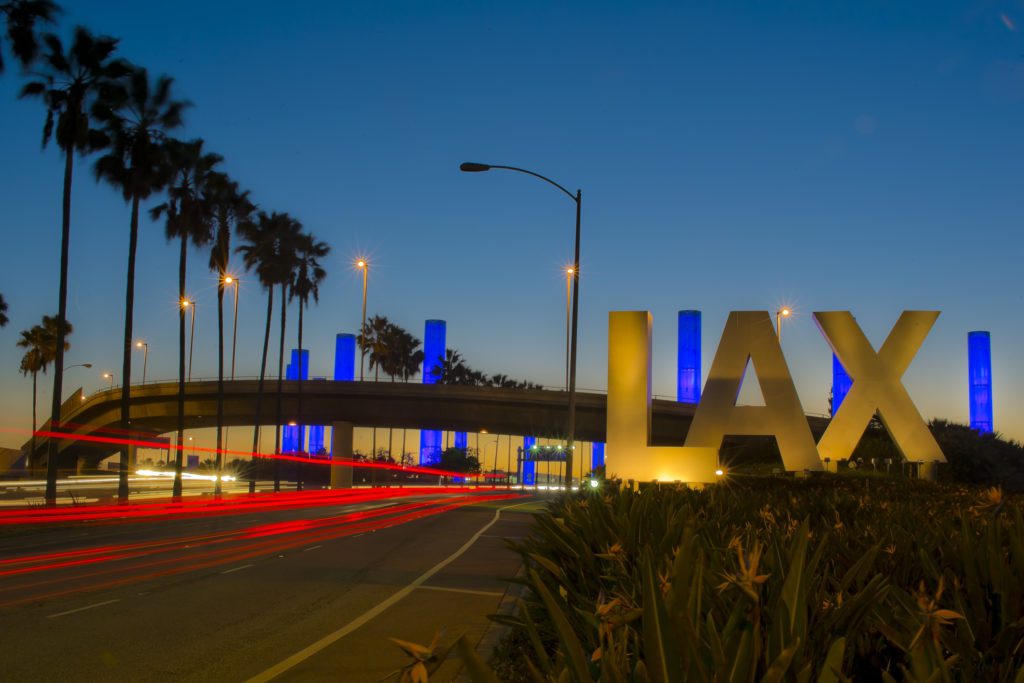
{"x": 236, "y": 569}
{"x": 82, "y": 609}
{"x": 307, "y": 652}
{"x": 312, "y": 547}
{"x": 462, "y": 590}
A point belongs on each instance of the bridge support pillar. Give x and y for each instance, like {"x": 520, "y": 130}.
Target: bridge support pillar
{"x": 80, "y": 465}
{"x": 341, "y": 448}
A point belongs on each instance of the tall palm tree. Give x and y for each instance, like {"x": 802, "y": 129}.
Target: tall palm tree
{"x": 262, "y": 252}
{"x": 289, "y": 239}
{"x": 230, "y": 206}
{"x": 70, "y": 83}
{"x": 308, "y": 276}
{"x": 3, "y": 312}
{"x": 374, "y": 338}
{"x": 404, "y": 360}
{"x": 136, "y": 119}
{"x": 40, "y": 344}
{"x": 188, "y": 218}
{"x": 21, "y": 17}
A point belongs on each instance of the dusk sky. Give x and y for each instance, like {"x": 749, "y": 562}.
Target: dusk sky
{"x": 864, "y": 156}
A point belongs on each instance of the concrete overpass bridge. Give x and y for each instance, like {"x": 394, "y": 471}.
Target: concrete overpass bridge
{"x": 541, "y": 413}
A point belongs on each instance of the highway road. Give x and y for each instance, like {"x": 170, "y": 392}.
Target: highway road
{"x": 287, "y": 587}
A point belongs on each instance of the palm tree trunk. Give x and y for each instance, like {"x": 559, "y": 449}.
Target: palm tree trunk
{"x": 280, "y": 388}
{"x": 179, "y": 452}
{"x": 62, "y": 312}
{"x": 299, "y": 411}
{"x": 263, "y": 374}
{"x": 220, "y": 381}
{"x": 32, "y": 436}
{"x": 126, "y": 365}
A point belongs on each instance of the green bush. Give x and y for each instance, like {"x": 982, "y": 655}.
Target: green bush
{"x": 827, "y": 579}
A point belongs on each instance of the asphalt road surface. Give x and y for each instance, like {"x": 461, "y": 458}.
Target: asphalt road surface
{"x": 305, "y": 593}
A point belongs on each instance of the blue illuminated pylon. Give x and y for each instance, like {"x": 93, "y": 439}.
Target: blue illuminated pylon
{"x": 841, "y": 383}
{"x": 434, "y": 346}
{"x": 461, "y": 440}
{"x": 979, "y": 377}
{"x": 596, "y": 455}
{"x": 293, "y": 439}
{"x": 344, "y": 357}
{"x": 529, "y": 472}
{"x": 688, "y": 361}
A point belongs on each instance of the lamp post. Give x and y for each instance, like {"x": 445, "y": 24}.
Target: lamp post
{"x": 362, "y": 265}
{"x": 109, "y": 376}
{"x": 233, "y": 282}
{"x": 470, "y": 167}
{"x": 783, "y": 312}
{"x": 190, "y": 304}
{"x": 568, "y": 314}
{"x": 145, "y": 357}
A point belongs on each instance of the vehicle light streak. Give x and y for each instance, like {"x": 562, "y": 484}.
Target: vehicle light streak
{"x": 228, "y": 505}
{"x": 255, "y": 541}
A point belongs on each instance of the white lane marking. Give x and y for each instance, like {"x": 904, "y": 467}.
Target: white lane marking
{"x": 462, "y": 590}
{"x": 82, "y": 609}
{"x": 312, "y": 547}
{"x": 236, "y": 569}
{"x": 358, "y": 535}
{"x": 369, "y": 614}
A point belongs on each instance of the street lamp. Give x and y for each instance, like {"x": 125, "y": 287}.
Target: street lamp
{"x": 145, "y": 357}
{"x": 364, "y": 266}
{"x": 110, "y": 377}
{"x": 783, "y": 312}
{"x": 190, "y": 304}
{"x": 471, "y": 167}
{"x": 568, "y": 311}
{"x": 233, "y": 282}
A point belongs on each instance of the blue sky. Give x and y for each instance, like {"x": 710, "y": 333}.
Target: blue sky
{"x": 732, "y": 156}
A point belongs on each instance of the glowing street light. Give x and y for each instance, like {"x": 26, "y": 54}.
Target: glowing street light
{"x": 362, "y": 265}
{"x": 232, "y": 281}
{"x": 471, "y": 167}
{"x": 188, "y": 304}
{"x": 568, "y": 315}
{"x": 109, "y": 376}
{"x": 783, "y": 312}
{"x": 145, "y": 357}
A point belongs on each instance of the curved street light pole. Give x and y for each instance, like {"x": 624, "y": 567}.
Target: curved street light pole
{"x": 471, "y": 167}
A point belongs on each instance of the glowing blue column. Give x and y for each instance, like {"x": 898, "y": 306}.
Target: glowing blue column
{"x": 434, "y": 347}
{"x": 688, "y": 362}
{"x": 344, "y": 357}
{"x": 461, "y": 440}
{"x": 841, "y": 382}
{"x": 298, "y": 441}
{"x": 289, "y": 434}
{"x": 344, "y": 363}
{"x": 529, "y": 471}
{"x": 979, "y": 374}
{"x": 596, "y": 455}
{"x": 316, "y": 439}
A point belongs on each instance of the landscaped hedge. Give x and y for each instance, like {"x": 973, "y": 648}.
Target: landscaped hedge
{"x": 758, "y": 579}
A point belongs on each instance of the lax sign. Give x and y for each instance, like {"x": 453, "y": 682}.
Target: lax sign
{"x": 750, "y": 336}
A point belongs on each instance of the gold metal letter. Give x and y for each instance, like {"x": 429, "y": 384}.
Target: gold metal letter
{"x": 877, "y": 386}
{"x": 629, "y": 453}
{"x": 749, "y": 336}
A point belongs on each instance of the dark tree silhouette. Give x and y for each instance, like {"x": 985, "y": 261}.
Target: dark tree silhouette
{"x": 70, "y": 83}
{"x": 188, "y": 217}
{"x": 136, "y": 117}
{"x": 40, "y": 344}
{"x": 230, "y": 206}
{"x": 21, "y": 17}
{"x": 3, "y": 312}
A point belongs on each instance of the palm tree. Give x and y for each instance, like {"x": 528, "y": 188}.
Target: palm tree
{"x": 407, "y": 359}
{"x": 265, "y": 252}
{"x": 137, "y": 118}
{"x": 40, "y": 342}
{"x": 21, "y": 17}
{"x": 3, "y": 312}
{"x": 188, "y": 217}
{"x": 308, "y": 276}
{"x": 70, "y": 83}
{"x": 229, "y": 206}
{"x": 288, "y": 244}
